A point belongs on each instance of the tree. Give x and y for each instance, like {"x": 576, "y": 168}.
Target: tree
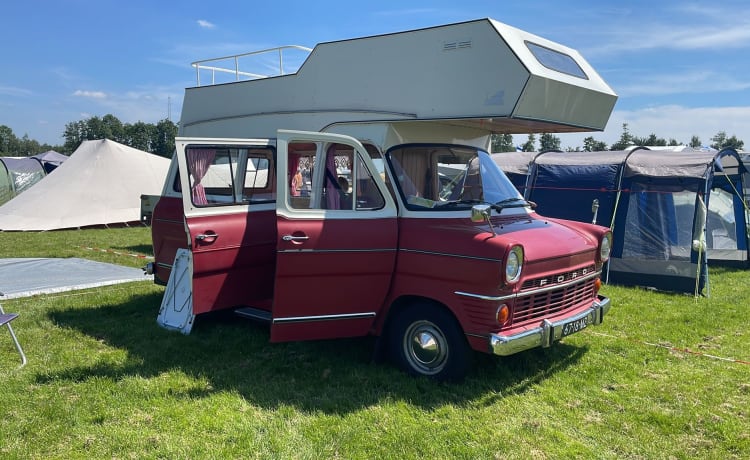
{"x": 695, "y": 142}
{"x": 158, "y": 139}
{"x": 501, "y": 143}
{"x": 12, "y": 146}
{"x": 74, "y": 134}
{"x": 549, "y": 142}
{"x": 530, "y": 144}
{"x": 592, "y": 145}
{"x": 8, "y": 141}
{"x": 28, "y": 147}
{"x": 113, "y": 128}
{"x": 166, "y": 131}
{"x": 626, "y": 139}
{"x": 139, "y": 135}
{"x": 651, "y": 140}
{"x": 721, "y": 141}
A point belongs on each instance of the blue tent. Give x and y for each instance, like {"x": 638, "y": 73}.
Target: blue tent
{"x": 672, "y": 212}
{"x": 50, "y": 160}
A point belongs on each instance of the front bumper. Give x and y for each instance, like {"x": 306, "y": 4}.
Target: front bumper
{"x": 548, "y": 332}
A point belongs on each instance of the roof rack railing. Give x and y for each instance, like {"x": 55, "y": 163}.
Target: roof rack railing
{"x": 213, "y": 65}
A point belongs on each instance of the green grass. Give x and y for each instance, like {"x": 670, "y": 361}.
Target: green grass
{"x": 104, "y": 381}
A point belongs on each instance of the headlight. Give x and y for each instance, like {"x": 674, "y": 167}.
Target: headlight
{"x": 514, "y": 264}
{"x": 605, "y": 247}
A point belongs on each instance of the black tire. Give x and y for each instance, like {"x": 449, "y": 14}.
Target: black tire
{"x": 425, "y": 340}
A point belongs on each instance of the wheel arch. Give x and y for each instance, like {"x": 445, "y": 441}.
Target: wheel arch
{"x": 406, "y": 301}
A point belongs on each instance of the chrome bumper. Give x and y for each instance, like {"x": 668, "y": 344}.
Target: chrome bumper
{"x": 548, "y": 332}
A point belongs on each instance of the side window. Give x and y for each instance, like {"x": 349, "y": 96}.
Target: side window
{"x": 368, "y": 195}
{"x": 299, "y": 181}
{"x": 230, "y": 175}
{"x": 326, "y": 176}
{"x": 259, "y": 184}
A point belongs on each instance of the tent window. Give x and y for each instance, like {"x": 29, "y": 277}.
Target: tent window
{"x": 721, "y": 228}
{"x": 659, "y": 225}
{"x": 555, "y": 60}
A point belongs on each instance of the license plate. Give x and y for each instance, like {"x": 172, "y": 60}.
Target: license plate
{"x": 574, "y": 326}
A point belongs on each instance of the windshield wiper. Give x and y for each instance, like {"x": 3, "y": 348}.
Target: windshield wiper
{"x": 465, "y": 201}
{"x": 499, "y": 206}
{"x": 512, "y": 203}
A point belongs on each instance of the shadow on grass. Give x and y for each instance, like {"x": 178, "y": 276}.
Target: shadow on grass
{"x": 234, "y": 354}
{"x": 139, "y": 248}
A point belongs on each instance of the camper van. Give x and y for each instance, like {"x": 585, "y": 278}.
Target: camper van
{"x": 355, "y": 196}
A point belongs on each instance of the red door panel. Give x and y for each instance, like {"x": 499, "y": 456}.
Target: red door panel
{"x": 233, "y": 259}
{"x": 333, "y": 266}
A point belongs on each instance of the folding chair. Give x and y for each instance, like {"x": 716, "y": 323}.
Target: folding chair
{"x": 5, "y": 319}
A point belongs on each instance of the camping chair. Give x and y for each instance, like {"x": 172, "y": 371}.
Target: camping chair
{"x": 5, "y": 319}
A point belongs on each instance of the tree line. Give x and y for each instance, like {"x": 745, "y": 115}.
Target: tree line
{"x": 504, "y": 142}
{"x": 156, "y": 138}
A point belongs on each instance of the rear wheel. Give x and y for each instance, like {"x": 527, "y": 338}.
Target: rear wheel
{"x": 426, "y": 340}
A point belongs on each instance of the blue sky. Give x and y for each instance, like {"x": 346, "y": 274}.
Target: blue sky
{"x": 679, "y": 68}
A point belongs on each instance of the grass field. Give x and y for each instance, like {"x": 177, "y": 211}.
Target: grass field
{"x": 662, "y": 378}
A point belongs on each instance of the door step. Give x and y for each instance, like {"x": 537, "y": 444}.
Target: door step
{"x": 255, "y": 314}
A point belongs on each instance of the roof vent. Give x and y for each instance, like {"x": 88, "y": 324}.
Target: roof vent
{"x": 456, "y": 45}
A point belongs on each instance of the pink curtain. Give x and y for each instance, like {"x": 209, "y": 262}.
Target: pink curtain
{"x": 198, "y": 163}
{"x": 333, "y": 199}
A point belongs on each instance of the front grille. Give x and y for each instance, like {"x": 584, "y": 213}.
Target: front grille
{"x": 549, "y": 300}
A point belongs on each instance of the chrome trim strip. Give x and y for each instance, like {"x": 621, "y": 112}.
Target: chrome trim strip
{"x": 163, "y": 265}
{"x": 303, "y": 319}
{"x": 445, "y": 254}
{"x": 531, "y": 292}
{"x": 337, "y": 250}
{"x": 486, "y": 297}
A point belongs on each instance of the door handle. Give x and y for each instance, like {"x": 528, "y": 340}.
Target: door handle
{"x": 202, "y": 237}
{"x": 294, "y": 238}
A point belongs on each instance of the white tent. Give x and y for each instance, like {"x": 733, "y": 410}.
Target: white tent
{"x": 100, "y": 184}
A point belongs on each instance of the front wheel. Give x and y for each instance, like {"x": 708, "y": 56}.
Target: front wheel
{"x": 426, "y": 340}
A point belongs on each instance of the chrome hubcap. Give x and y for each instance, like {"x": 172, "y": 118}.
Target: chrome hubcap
{"x": 426, "y": 347}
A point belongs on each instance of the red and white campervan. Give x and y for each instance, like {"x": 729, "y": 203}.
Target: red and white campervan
{"x": 356, "y": 196}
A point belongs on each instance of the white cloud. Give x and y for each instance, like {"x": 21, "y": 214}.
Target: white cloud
{"x": 677, "y": 82}
{"x": 90, "y": 94}
{"x": 13, "y": 91}
{"x": 205, "y": 24}
{"x": 682, "y": 27}
{"x": 671, "y": 37}
{"x": 147, "y": 104}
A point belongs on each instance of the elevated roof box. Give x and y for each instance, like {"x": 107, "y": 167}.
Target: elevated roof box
{"x": 480, "y": 74}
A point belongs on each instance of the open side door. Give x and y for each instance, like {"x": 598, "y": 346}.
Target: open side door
{"x": 228, "y": 194}
{"x": 337, "y": 238}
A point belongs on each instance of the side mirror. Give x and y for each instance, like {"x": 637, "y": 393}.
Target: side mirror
{"x": 482, "y": 213}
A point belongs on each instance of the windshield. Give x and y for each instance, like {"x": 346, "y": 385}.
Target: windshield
{"x": 439, "y": 177}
